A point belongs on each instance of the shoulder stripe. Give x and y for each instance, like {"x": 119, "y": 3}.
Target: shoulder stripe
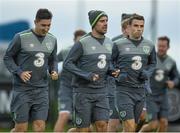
{"x": 51, "y": 35}
{"x": 23, "y": 34}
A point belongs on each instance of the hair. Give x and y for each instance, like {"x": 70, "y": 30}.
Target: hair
{"x": 43, "y": 14}
{"x": 79, "y": 32}
{"x": 135, "y": 16}
{"x": 125, "y": 24}
{"x": 164, "y": 38}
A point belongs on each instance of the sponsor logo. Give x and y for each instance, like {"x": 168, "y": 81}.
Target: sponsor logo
{"x": 93, "y": 48}
{"x": 31, "y": 45}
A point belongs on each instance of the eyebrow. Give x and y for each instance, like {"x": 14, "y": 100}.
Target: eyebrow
{"x": 45, "y": 24}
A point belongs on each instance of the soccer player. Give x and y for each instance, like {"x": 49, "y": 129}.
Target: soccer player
{"x": 164, "y": 76}
{"x": 65, "y": 93}
{"x": 114, "y": 122}
{"x": 136, "y": 58}
{"x": 89, "y": 61}
{"x": 28, "y": 57}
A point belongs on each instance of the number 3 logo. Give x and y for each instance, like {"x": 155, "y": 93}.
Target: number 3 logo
{"x": 137, "y": 64}
{"x": 102, "y": 63}
{"x": 39, "y": 62}
{"x": 159, "y": 75}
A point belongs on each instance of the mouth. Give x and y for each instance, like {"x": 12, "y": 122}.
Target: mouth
{"x": 105, "y": 28}
{"x": 44, "y": 32}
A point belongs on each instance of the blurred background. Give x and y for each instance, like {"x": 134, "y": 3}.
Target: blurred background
{"x": 162, "y": 17}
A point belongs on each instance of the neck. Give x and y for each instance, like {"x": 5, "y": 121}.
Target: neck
{"x": 96, "y": 34}
{"x": 162, "y": 55}
{"x": 136, "y": 39}
{"x": 36, "y": 32}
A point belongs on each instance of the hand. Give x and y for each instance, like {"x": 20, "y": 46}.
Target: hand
{"x": 170, "y": 84}
{"x": 54, "y": 75}
{"x": 25, "y": 76}
{"x": 95, "y": 77}
{"x": 116, "y": 73}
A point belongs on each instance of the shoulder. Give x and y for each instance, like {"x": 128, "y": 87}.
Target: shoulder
{"x": 148, "y": 42}
{"x": 24, "y": 33}
{"x": 171, "y": 59}
{"x": 117, "y": 37}
{"x": 51, "y": 36}
{"x": 108, "y": 39}
{"x": 66, "y": 49}
{"x": 122, "y": 40}
{"x": 85, "y": 37}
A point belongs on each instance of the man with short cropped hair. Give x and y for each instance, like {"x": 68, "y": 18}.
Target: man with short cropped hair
{"x": 165, "y": 76}
{"x": 135, "y": 56}
{"x": 89, "y": 61}
{"x": 29, "y": 56}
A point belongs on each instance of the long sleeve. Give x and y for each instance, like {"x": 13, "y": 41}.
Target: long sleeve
{"x": 114, "y": 57}
{"x": 10, "y": 55}
{"x": 52, "y": 61}
{"x": 174, "y": 75}
{"x": 71, "y": 61}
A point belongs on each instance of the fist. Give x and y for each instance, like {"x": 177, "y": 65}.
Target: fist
{"x": 25, "y": 76}
{"x": 95, "y": 77}
{"x": 116, "y": 73}
{"x": 54, "y": 75}
{"x": 170, "y": 84}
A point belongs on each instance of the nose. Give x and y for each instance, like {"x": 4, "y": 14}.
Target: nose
{"x": 46, "y": 28}
{"x": 140, "y": 28}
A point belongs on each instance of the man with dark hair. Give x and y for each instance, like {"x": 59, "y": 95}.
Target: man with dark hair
{"x": 136, "y": 58}
{"x": 65, "y": 93}
{"x": 89, "y": 61}
{"x": 164, "y": 76}
{"x": 28, "y": 57}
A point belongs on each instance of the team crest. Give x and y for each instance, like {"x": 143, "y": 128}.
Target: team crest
{"x": 78, "y": 121}
{"x": 168, "y": 66}
{"x": 122, "y": 114}
{"x": 146, "y": 49}
{"x": 14, "y": 115}
{"x": 63, "y": 106}
{"x": 49, "y": 45}
{"x": 149, "y": 117}
{"x": 110, "y": 112}
{"x": 108, "y": 47}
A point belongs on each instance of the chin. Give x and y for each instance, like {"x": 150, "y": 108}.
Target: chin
{"x": 43, "y": 34}
{"x": 105, "y": 32}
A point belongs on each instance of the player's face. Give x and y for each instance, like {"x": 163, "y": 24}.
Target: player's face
{"x": 42, "y": 26}
{"x": 136, "y": 29}
{"x": 162, "y": 47}
{"x": 101, "y": 25}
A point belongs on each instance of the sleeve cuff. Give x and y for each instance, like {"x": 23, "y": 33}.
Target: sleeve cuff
{"x": 19, "y": 71}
